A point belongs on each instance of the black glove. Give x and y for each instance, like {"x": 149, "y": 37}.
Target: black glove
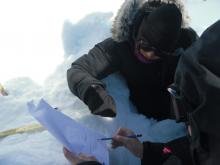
{"x": 99, "y": 102}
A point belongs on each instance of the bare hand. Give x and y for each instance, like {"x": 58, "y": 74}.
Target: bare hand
{"x": 133, "y": 145}
{"x": 75, "y": 159}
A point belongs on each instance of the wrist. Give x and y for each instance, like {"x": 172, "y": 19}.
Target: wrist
{"x": 137, "y": 149}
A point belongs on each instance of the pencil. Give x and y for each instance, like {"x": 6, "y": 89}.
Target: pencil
{"x": 130, "y": 136}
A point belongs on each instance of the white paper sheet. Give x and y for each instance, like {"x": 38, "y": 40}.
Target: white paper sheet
{"x": 72, "y": 135}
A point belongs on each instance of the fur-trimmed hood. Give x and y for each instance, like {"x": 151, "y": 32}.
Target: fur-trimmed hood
{"x": 121, "y": 28}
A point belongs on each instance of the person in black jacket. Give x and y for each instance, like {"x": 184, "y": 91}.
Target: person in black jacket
{"x": 144, "y": 39}
{"x": 195, "y": 100}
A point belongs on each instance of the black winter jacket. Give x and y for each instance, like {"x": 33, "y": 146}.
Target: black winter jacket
{"x": 147, "y": 82}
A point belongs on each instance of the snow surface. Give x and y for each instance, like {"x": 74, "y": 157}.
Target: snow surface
{"x": 40, "y": 147}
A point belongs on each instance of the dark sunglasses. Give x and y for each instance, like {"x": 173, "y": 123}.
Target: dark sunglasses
{"x": 141, "y": 44}
{"x": 180, "y": 107}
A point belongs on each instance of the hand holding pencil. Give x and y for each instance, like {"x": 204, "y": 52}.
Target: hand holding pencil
{"x": 127, "y": 138}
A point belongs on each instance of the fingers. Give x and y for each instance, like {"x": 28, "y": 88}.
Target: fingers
{"x": 124, "y": 132}
{"x": 66, "y": 152}
{"x": 71, "y": 157}
{"x": 121, "y": 140}
{"x": 85, "y": 157}
{"x": 116, "y": 144}
{"x": 133, "y": 145}
{"x": 75, "y": 159}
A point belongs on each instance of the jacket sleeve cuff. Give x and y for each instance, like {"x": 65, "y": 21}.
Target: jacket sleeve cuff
{"x": 153, "y": 154}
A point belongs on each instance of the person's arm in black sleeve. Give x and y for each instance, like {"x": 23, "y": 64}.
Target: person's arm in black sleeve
{"x": 159, "y": 153}
{"x": 90, "y": 68}
{"x": 85, "y": 74}
{"x": 153, "y": 154}
{"x": 181, "y": 149}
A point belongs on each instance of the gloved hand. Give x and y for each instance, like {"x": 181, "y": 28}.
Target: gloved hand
{"x": 100, "y": 102}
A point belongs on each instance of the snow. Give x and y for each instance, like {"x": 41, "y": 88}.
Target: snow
{"x": 40, "y": 147}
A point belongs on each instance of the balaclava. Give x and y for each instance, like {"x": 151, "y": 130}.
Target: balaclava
{"x": 161, "y": 27}
{"x": 197, "y": 79}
